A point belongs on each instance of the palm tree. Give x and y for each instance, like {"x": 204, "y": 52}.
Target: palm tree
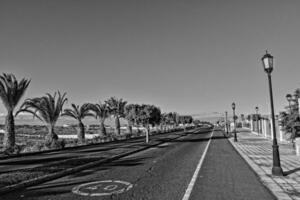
{"x": 79, "y": 113}
{"x": 102, "y": 112}
{"x": 116, "y": 108}
{"x": 11, "y": 91}
{"x": 47, "y": 109}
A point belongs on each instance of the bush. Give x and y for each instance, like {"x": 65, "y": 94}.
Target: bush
{"x": 58, "y": 144}
{"x": 96, "y": 140}
{"x": 34, "y": 148}
{"x": 15, "y": 150}
{"x": 55, "y": 144}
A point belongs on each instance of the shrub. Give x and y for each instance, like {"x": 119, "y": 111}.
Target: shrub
{"x": 33, "y": 148}
{"x": 15, "y": 150}
{"x": 58, "y": 144}
{"x": 55, "y": 144}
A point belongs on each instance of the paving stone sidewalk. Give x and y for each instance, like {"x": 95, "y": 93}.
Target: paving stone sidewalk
{"x": 257, "y": 151}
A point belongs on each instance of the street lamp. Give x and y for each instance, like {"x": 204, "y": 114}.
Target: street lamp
{"x": 289, "y": 99}
{"x": 226, "y": 123}
{"x": 297, "y": 103}
{"x": 257, "y": 122}
{"x": 233, "y": 109}
{"x": 267, "y": 61}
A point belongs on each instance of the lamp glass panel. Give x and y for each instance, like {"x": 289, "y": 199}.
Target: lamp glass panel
{"x": 266, "y": 63}
{"x": 270, "y": 62}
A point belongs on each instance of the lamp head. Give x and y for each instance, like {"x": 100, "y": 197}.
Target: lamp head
{"x": 289, "y": 97}
{"x": 267, "y": 61}
{"x": 233, "y": 105}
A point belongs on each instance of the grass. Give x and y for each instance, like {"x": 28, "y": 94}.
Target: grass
{"x": 31, "y": 137}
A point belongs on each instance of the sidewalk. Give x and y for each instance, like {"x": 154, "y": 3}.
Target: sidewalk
{"x": 257, "y": 151}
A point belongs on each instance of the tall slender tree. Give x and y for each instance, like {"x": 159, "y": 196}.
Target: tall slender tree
{"x": 116, "y": 108}
{"x": 48, "y": 109}
{"x": 131, "y": 114}
{"x": 144, "y": 118}
{"x": 79, "y": 113}
{"x": 102, "y": 113}
{"x": 163, "y": 121}
{"x": 11, "y": 91}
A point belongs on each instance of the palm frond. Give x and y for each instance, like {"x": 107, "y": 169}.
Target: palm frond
{"x": 11, "y": 91}
{"x": 78, "y": 112}
{"x": 47, "y": 108}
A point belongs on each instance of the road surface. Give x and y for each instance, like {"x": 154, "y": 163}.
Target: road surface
{"x": 163, "y": 173}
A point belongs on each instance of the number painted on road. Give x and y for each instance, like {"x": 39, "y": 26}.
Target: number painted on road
{"x": 102, "y": 188}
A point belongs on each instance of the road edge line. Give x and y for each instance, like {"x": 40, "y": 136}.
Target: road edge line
{"x": 190, "y": 187}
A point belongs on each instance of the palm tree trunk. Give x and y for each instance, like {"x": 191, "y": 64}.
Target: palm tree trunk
{"x": 81, "y": 132}
{"x": 117, "y": 121}
{"x": 102, "y": 128}
{"x": 9, "y": 136}
{"x": 52, "y": 136}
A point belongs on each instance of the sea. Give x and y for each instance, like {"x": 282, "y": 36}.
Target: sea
{"x": 62, "y": 121}
{"x": 29, "y": 120}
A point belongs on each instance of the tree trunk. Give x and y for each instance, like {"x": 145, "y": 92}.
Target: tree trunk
{"x": 51, "y": 136}
{"x": 117, "y": 121}
{"x": 81, "y": 132}
{"x": 129, "y": 127}
{"x": 9, "y": 136}
{"x": 147, "y": 133}
{"x": 161, "y": 128}
{"x": 102, "y": 128}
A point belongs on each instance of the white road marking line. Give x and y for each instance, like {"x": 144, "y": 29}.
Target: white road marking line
{"x": 194, "y": 178}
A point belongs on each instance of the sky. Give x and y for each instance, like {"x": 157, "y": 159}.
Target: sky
{"x": 192, "y": 56}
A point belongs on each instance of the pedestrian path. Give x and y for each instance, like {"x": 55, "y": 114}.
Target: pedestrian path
{"x": 257, "y": 151}
{"x": 225, "y": 175}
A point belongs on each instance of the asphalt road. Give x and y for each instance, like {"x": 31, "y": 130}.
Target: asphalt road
{"x": 225, "y": 175}
{"x": 163, "y": 173}
{"x": 100, "y": 150}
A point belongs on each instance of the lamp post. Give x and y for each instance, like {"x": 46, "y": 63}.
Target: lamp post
{"x": 289, "y": 99}
{"x": 267, "y": 61}
{"x": 257, "y": 122}
{"x": 297, "y": 103}
{"x": 233, "y": 109}
{"x": 226, "y": 123}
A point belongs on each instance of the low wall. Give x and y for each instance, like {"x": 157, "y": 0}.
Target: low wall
{"x": 264, "y": 128}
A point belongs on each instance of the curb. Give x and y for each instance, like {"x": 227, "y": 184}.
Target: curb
{"x": 66, "y": 172}
{"x": 268, "y": 182}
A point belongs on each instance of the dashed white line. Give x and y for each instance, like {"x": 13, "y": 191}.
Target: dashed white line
{"x": 195, "y": 175}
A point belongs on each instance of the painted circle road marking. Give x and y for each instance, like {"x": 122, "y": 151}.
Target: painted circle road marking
{"x": 102, "y": 188}
{"x": 110, "y": 187}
